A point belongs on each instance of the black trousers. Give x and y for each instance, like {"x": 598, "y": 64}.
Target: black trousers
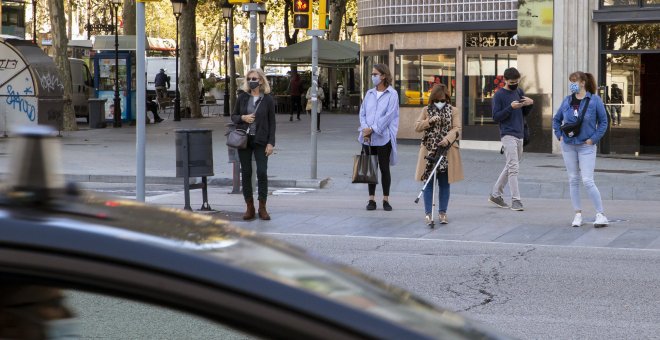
{"x": 153, "y": 107}
{"x": 245, "y": 156}
{"x": 296, "y": 105}
{"x": 383, "y": 153}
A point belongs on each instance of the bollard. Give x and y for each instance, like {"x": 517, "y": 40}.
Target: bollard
{"x": 194, "y": 158}
{"x": 232, "y": 154}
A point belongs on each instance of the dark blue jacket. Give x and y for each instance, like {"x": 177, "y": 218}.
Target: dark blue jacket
{"x": 162, "y": 79}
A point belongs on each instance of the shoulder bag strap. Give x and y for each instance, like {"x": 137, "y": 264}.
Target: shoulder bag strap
{"x": 584, "y": 109}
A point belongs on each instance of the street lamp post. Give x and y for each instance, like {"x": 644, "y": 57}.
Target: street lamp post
{"x": 34, "y": 21}
{"x": 263, "y": 15}
{"x": 116, "y": 114}
{"x": 226, "y": 14}
{"x": 177, "y": 7}
{"x": 349, "y": 28}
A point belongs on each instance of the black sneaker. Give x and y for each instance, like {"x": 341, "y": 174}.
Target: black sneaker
{"x": 387, "y": 206}
{"x": 371, "y": 205}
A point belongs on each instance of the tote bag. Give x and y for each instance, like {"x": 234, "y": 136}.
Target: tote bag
{"x": 365, "y": 168}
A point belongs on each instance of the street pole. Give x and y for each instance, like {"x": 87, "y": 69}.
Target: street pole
{"x": 177, "y": 100}
{"x": 226, "y": 99}
{"x": 253, "y": 9}
{"x": 34, "y": 21}
{"x": 140, "y": 144}
{"x": 315, "y": 34}
{"x": 117, "y": 101}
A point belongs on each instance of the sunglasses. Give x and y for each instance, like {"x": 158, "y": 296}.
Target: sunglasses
{"x": 253, "y": 79}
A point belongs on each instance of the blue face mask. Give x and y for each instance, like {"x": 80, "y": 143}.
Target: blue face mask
{"x": 574, "y": 87}
{"x": 375, "y": 80}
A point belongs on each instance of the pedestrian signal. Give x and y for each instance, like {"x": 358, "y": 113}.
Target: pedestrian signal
{"x": 302, "y": 14}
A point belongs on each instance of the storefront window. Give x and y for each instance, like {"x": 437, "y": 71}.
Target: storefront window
{"x": 368, "y": 61}
{"x": 632, "y": 37}
{"x": 483, "y": 77}
{"x": 416, "y": 74}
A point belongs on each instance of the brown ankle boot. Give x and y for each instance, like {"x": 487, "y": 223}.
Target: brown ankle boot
{"x": 263, "y": 214}
{"x": 249, "y": 211}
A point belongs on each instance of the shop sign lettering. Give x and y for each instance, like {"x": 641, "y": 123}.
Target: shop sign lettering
{"x": 491, "y": 39}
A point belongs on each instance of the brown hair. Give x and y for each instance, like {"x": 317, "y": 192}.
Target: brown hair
{"x": 439, "y": 91}
{"x": 385, "y": 71}
{"x": 587, "y": 78}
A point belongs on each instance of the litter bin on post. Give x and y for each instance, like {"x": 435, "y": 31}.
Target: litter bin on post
{"x": 194, "y": 158}
{"x": 96, "y": 113}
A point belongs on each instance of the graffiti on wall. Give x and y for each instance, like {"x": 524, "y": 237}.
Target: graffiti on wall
{"x": 49, "y": 81}
{"x": 8, "y": 64}
{"x": 17, "y": 102}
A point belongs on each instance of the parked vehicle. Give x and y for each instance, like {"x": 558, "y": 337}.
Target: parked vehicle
{"x": 76, "y": 264}
{"x": 82, "y": 87}
{"x": 153, "y": 65}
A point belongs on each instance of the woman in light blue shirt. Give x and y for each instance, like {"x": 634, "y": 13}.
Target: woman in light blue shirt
{"x": 379, "y": 123}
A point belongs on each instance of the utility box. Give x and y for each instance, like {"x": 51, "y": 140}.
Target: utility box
{"x": 31, "y": 91}
{"x": 96, "y": 109}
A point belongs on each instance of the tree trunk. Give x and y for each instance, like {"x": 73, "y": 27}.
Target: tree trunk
{"x": 210, "y": 47}
{"x": 60, "y": 42}
{"x": 337, "y": 11}
{"x": 189, "y": 70}
{"x": 232, "y": 65}
{"x": 128, "y": 17}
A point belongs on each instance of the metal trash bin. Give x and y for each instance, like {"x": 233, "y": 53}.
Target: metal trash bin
{"x": 194, "y": 158}
{"x": 96, "y": 111}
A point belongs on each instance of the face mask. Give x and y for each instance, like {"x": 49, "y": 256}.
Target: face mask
{"x": 439, "y": 105}
{"x": 375, "y": 80}
{"x": 574, "y": 87}
{"x": 253, "y": 84}
{"x": 513, "y": 86}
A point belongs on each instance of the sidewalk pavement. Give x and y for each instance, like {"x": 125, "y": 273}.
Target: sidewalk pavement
{"x": 108, "y": 155}
{"x": 630, "y": 187}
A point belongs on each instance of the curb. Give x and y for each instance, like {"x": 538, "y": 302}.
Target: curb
{"x": 214, "y": 181}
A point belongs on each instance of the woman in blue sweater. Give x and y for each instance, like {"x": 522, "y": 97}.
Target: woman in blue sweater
{"x": 579, "y": 151}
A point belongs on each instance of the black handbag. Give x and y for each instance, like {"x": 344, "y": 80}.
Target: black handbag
{"x": 365, "y": 168}
{"x": 573, "y": 129}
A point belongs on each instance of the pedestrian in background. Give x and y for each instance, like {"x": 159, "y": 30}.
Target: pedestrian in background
{"x": 295, "y": 91}
{"x": 579, "y": 151}
{"x": 510, "y": 106}
{"x": 441, "y": 126}
{"x": 162, "y": 84}
{"x": 321, "y": 96}
{"x": 617, "y": 100}
{"x": 255, "y": 112}
{"x": 379, "y": 123}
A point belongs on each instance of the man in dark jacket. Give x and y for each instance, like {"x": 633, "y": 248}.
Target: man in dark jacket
{"x": 162, "y": 83}
{"x": 509, "y": 108}
{"x": 617, "y": 100}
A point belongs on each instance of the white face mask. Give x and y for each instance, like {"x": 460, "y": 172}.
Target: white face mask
{"x": 439, "y": 105}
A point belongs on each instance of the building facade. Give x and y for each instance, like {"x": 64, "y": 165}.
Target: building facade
{"x": 468, "y": 44}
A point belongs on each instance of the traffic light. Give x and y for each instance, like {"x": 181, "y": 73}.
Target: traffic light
{"x": 302, "y": 14}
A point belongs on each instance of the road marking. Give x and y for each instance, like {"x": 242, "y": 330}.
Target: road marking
{"x": 291, "y": 191}
{"x": 454, "y": 241}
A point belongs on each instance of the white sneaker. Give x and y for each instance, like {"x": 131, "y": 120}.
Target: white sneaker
{"x": 577, "y": 221}
{"x": 428, "y": 219}
{"x": 601, "y": 221}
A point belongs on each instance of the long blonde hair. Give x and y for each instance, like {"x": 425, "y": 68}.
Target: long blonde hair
{"x": 264, "y": 87}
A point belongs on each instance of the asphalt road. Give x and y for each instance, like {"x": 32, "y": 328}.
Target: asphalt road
{"x": 530, "y": 292}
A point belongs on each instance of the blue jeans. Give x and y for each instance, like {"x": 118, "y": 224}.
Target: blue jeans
{"x": 580, "y": 161}
{"x": 443, "y": 186}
